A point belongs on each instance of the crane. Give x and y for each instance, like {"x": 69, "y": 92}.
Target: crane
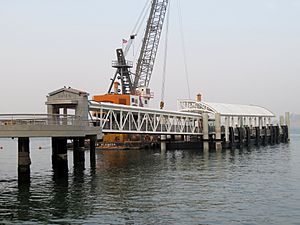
{"x": 134, "y": 89}
{"x": 147, "y": 56}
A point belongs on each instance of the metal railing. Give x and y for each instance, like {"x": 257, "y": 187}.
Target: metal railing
{"x": 117, "y": 64}
{"x": 41, "y": 119}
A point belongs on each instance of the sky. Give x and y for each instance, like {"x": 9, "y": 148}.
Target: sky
{"x": 237, "y": 51}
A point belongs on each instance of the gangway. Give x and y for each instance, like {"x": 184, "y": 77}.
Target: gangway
{"x": 116, "y": 118}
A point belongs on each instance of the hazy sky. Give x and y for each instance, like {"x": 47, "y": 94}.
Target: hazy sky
{"x": 238, "y": 51}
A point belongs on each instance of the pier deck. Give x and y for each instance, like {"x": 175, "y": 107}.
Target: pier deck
{"x": 45, "y": 125}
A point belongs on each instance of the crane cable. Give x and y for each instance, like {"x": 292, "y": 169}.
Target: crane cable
{"x": 137, "y": 27}
{"x": 183, "y": 48}
{"x": 141, "y": 18}
{"x": 162, "y": 102}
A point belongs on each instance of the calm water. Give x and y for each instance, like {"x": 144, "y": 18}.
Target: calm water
{"x": 257, "y": 186}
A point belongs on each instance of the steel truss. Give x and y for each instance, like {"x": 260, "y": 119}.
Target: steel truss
{"x": 150, "y": 44}
{"x": 114, "y": 118}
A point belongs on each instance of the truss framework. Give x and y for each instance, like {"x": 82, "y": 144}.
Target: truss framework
{"x": 126, "y": 119}
{"x": 150, "y": 44}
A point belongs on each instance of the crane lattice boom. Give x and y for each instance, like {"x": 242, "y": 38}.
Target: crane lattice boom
{"x": 150, "y": 44}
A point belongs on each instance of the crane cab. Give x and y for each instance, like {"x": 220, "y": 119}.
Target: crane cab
{"x": 140, "y": 99}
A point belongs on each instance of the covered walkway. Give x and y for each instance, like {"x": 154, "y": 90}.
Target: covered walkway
{"x": 231, "y": 114}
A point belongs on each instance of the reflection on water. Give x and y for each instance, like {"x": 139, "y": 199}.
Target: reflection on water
{"x": 248, "y": 186}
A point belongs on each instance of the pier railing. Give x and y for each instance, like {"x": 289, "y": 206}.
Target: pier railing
{"x": 41, "y": 119}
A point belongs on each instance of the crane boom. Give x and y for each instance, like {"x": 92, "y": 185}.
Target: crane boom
{"x": 150, "y": 43}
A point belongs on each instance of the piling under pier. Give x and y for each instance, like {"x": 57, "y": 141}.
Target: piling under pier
{"x": 238, "y": 138}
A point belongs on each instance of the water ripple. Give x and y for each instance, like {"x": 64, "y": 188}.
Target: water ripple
{"x": 246, "y": 186}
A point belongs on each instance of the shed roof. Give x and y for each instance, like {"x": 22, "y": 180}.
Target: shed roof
{"x": 226, "y": 109}
{"x": 68, "y": 89}
{"x": 240, "y": 110}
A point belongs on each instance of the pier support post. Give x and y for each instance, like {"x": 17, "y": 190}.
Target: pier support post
{"x": 231, "y": 137}
{"x": 205, "y": 132}
{"x": 271, "y": 128}
{"x": 163, "y": 143}
{"x": 281, "y": 129}
{"x": 218, "y": 131}
{"x": 227, "y": 130}
{"x": 288, "y": 124}
{"x": 78, "y": 152}
{"x": 23, "y": 160}
{"x": 59, "y": 156}
{"x": 277, "y": 137}
{"x": 93, "y": 141}
{"x": 265, "y": 135}
{"x": 248, "y": 135}
{"x": 241, "y": 136}
{"x": 257, "y": 136}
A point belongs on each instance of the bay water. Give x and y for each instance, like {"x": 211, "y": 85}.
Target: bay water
{"x": 260, "y": 185}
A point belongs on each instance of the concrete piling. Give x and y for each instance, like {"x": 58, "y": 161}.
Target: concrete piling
{"x": 248, "y": 136}
{"x": 78, "y": 152}
{"x": 93, "y": 151}
{"x": 227, "y": 121}
{"x": 277, "y": 135}
{"x": 205, "y": 132}
{"x": 257, "y": 136}
{"x": 264, "y": 135}
{"x": 163, "y": 143}
{"x": 288, "y": 124}
{"x": 218, "y": 131}
{"x": 231, "y": 137}
{"x": 59, "y": 156}
{"x": 24, "y": 161}
{"x": 241, "y": 136}
{"x": 271, "y": 128}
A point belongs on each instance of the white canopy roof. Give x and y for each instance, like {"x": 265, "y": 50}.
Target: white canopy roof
{"x": 226, "y": 109}
{"x": 240, "y": 110}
